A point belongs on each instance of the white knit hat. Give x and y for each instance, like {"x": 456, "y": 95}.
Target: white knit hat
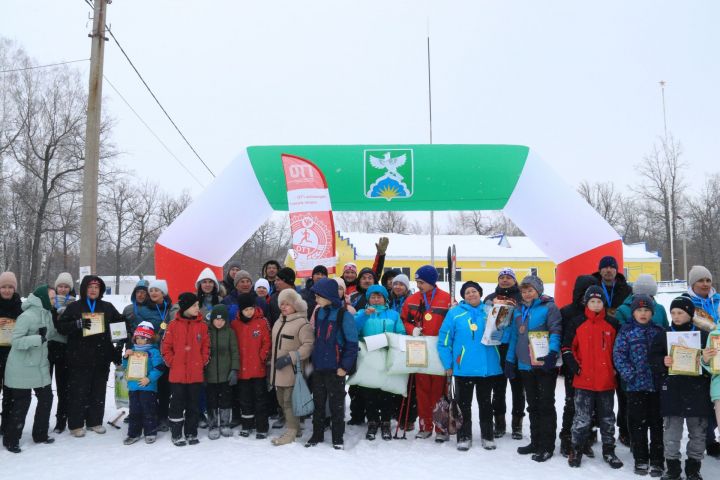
{"x": 160, "y": 285}
{"x": 64, "y": 279}
{"x": 262, "y": 282}
{"x": 402, "y": 278}
{"x": 697, "y": 273}
{"x": 645, "y": 285}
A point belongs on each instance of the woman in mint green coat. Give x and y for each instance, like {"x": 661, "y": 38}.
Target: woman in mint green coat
{"x": 28, "y": 369}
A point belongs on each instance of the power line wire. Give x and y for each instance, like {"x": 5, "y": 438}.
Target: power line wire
{"x": 127, "y": 57}
{"x": 152, "y": 131}
{"x": 44, "y": 66}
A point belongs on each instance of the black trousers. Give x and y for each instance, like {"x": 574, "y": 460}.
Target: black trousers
{"x": 643, "y": 411}
{"x": 185, "y": 407}
{"x": 357, "y": 403}
{"x": 56, "y": 356}
{"x": 539, "y": 387}
{"x": 253, "y": 404}
{"x": 379, "y": 404}
{"x": 163, "y": 397}
{"x": 218, "y": 395}
{"x": 6, "y": 400}
{"x": 329, "y": 387}
{"x": 143, "y": 413}
{"x": 568, "y": 415}
{"x": 86, "y": 399}
{"x": 622, "y": 414}
{"x": 499, "y": 389}
{"x": 483, "y": 387}
{"x": 20, "y": 406}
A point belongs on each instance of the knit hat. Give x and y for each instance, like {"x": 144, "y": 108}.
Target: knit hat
{"x": 645, "y": 285}
{"x": 507, "y": 271}
{"x": 402, "y": 278}
{"x": 261, "y": 282}
{"x": 593, "y": 291}
{"x": 145, "y": 330}
{"x": 41, "y": 292}
{"x": 340, "y": 282}
{"x": 207, "y": 274}
{"x": 186, "y": 300}
{"x": 367, "y": 271}
{"x": 64, "y": 279}
{"x": 8, "y": 278}
{"x": 608, "y": 261}
{"x": 233, "y": 264}
{"x": 642, "y": 301}
{"x": 287, "y": 275}
{"x": 535, "y": 282}
{"x": 160, "y": 285}
{"x": 219, "y": 311}
{"x": 326, "y": 288}
{"x": 240, "y": 275}
{"x": 290, "y": 296}
{"x": 427, "y": 274}
{"x": 683, "y": 303}
{"x": 321, "y": 269}
{"x": 697, "y": 273}
{"x": 377, "y": 289}
{"x": 245, "y": 300}
{"x": 142, "y": 284}
{"x": 350, "y": 266}
{"x": 470, "y": 284}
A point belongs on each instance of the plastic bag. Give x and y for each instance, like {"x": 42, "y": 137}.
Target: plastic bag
{"x": 122, "y": 396}
{"x": 302, "y": 400}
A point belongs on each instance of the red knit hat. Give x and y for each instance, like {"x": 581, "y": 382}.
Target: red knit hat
{"x": 145, "y": 330}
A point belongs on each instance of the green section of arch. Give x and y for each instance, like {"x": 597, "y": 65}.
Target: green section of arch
{"x": 436, "y": 177}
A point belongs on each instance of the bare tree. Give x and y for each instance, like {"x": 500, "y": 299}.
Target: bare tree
{"x": 604, "y": 198}
{"x": 119, "y": 203}
{"x": 704, "y": 235}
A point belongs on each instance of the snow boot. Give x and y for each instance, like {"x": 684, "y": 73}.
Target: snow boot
{"x": 371, "y": 431}
{"x": 464, "y": 444}
{"x": 192, "y": 439}
{"x": 99, "y": 429}
{"x": 517, "y": 427}
{"x": 77, "y": 432}
{"x": 315, "y": 438}
{"x": 202, "y": 421}
{"x": 565, "y": 447}
{"x": 285, "y": 438}
{"x": 641, "y": 468}
{"x": 260, "y": 435}
{"x": 13, "y": 448}
{"x": 179, "y": 441}
{"x": 339, "y": 445}
{"x": 225, "y": 419}
{"x": 213, "y": 425}
{"x": 500, "y": 426}
{"x": 60, "y": 425}
{"x": 488, "y": 444}
{"x": 150, "y": 439}
{"x": 692, "y": 469}
{"x": 131, "y": 440}
{"x": 657, "y": 469}
{"x": 575, "y": 457}
{"x": 674, "y": 470}
{"x": 527, "y": 449}
{"x": 441, "y": 437}
{"x": 385, "y": 432}
{"x": 176, "y": 434}
{"x": 542, "y": 456}
{"x": 163, "y": 425}
{"x": 608, "y": 453}
{"x": 423, "y": 434}
{"x": 713, "y": 449}
{"x": 587, "y": 449}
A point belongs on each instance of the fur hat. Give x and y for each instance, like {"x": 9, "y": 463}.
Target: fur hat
{"x": 293, "y": 298}
{"x": 645, "y": 285}
{"x": 160, "y": 285}
{"x": 8, "y": 278}
{"x": 697, "y": 273}
{"x": 427, "y": 273}
{"x": 535, "y": 282}
{"x": 64, "y": 279}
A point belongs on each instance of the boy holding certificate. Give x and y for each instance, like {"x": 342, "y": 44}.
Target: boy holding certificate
{"x": 631, "y": 357}
{"x": 141, "y": 363}
{"x": 683, "y": 396}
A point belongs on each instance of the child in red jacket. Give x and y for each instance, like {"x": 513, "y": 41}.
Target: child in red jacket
{"x": 591, "y": 337}
{"x": 253, "y": 337}
{"x": 186, "y": 350}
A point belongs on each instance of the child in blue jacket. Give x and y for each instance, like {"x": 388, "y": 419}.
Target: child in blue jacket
{"x": 143, "y": 392}
{"x": 377, "y": 319}
{"x": 631, "y": 356}
{"x": 536, "y": 313}
{"x": 476, "y": 366}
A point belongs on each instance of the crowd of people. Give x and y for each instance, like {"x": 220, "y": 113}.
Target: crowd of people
{"x": 226, "y": 356}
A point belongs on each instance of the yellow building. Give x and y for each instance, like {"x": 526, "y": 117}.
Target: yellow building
{"x": 479, "y": 258}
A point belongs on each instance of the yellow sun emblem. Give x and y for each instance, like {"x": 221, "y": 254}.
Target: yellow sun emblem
{"x": 389, "y": 192}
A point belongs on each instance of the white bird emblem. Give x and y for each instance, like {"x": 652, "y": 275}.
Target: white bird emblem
{"x": 390, "y": 163}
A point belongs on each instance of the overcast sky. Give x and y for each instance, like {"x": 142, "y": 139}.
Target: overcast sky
{"x": 577, "y": 81}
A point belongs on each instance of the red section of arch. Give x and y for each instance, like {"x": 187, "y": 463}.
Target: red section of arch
{"x": 180, "y": 271}
{"x": 583, "y": 264}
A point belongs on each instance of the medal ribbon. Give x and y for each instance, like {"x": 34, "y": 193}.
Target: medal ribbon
{"x": 525, "y": 311}
{"x": 432, "y": 297}
{"x": 162, "y": 315}
{"x": 608, "y": 296}
{"x": 90, "y": 305}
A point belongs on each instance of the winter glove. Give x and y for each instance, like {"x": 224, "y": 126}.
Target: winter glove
{"x": 83, "y": 323}
{"x": 417, "y": 331}
{"x": 42, "y": 331}
{"x": 382, "y": 245}
{"x": 571, "y": 363}
{"x": 283, "y": 362}
{"x": 509, "y": 370}
{"x": 232, "y": 378}
{"x": 549, "y": 361}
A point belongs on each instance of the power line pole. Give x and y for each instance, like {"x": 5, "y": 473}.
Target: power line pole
{"x": 88, "y": 228}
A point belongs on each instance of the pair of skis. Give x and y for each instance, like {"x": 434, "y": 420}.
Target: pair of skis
{"x": 451, "y": 268}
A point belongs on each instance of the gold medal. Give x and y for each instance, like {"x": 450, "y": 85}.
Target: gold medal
{"x": 473, "y": 327}
{"x": 163, "y": 326}
{"x": 521, "y": 329}
{"x": 428, "y": 316}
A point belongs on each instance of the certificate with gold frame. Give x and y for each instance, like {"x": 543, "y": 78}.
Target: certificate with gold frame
{"x": 416, "y": 353}
{"x": 97, "y": 323}
{"x": 685, "y": 361}
{"x": 715, "y": 361}
{"x": 6, "y": 331}
{"x": 137, "y": 366}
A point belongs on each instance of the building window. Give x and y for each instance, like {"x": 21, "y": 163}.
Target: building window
{"x": 404, "y": 270}
{"x": 443, "y": 274}
{"x": 533, "y": 271}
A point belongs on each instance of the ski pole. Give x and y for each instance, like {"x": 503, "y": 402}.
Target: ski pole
{"x": 407, "y": 409}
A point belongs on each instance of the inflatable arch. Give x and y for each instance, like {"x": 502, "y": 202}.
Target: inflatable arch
{"x": 510, "y": 178}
